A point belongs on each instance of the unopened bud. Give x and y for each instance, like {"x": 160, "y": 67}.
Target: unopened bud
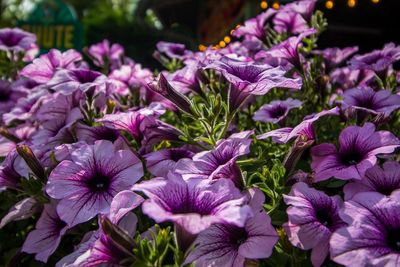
{"x": 295, "y": 152}
{"x": 31, "y": 160}
{"x": 6, "y": 134}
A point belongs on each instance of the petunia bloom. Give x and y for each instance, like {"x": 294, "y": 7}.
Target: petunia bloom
{"x": 254, "y": 27}
{"x": 289, "y": 22}
{"x": 86, "y": 184}
{"x": 335, "y": 56}
{"x": 46, "y": 236}
{"x": 42, "y": 69}
{"x": 229, "y": 245}
{"x": 372, "y": 235}
{"x": 173, "y": 50}
{"x": 359, "y": 147}
{"x": 365, "y": 99}
{"x": 287, "y": 50}
{"x": 305, "y": 128}
{"x": 69, "y": 81}
{"x": 377, "y": 60}
{"x": 160, "y": 162}
{"x": 16, "y": 40}
{"x": 103, "y": 53}
{"x": 385, "y": 180}
{"x": 219, "y": 162}
{"x": 276, "y": 111}
{"x": 313, "y": 217}
{"x": 253, "y": 78}
{"x": 195, "y": 204}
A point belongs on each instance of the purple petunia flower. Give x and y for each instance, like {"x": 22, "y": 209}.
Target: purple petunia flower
{"x": 219, "y": 162}
{"x": 195, "y": 204}
{"x": 335, "y": 56}
{"x": 304, "y": 7}
{"x": 42, "y": 69}
{"x": 46, "y": 236}
{"x": 12, "y": 170}
{"x": 384, "y": 180}
{"x": 359, "y": 147}
{"x": 9, "y": 96}
{"x": 143, "y": 125}
{"x": 254, "y": 27}
{"x": 69, "y": 81}
{"x": 22, "y": 210}
{"x": 16, "y": 40}
{"x": 103, "y": 53}
{"x": 87, "y": 184}
{"x": 160, "y": 162}
{"x": 276, "y": 111}
{"x": 289, "y": 22}
{"x": 367, "y": 100}
{"x": 305, "y": 128}
{"x": 372, "y": 237}
{"x": 230, "y": 245}
{"x": 252, "y": 78}
{"x": 173, "y": 50}
{"x": 377, "y": 60}
{"x": 313, "y": 217}
{"x": 286, "y": 50}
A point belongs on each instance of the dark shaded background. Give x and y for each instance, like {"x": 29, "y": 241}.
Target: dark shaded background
{"x": 206, "y": 22}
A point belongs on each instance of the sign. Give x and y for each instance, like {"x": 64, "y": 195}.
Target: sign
{"x": 56, "y": 26}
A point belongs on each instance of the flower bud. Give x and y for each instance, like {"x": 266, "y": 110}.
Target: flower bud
{"x": 31, "y": 160}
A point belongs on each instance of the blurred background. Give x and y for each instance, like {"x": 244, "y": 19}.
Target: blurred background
{"x": 139, "y": 24}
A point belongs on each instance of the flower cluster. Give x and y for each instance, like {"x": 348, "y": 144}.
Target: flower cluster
{"x": 105, "y": 163}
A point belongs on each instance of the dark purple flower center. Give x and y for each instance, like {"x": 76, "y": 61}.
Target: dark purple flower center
{"x": 393, "y": 239}
{"x": 179, "y": 51}
{"x": 4, "y": 95}
{"x": 104, "y": 133}
{"x": 277, "y": 111}
{"x": 86, "y": 76}
{"x": 366, "y": 102}
{"x": 178, "y": 154}
{"x": 11, "y": 39}
{"x": 351, "y": 156}
{"x": 99, "y": 182}
{"x": 246, "y": 73}
{"x": 323, "y": 215}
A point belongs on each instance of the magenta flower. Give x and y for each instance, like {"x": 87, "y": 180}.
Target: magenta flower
{"x": 289, "y": 22}
{"x": 42, "y": 69}
{"x": 287, "y": 50}
{"x": 276, "y": 111}
{"x": 143, "y": 125}
{"x": 12, "y": 170}
{"x": 46, "y": 236}
{"x": 377, "y": 60}
{"x": 229, "y": 245}
{"x": 22, "y": 210}
{"x": 304, "y": 7}
{"x": 102, "y": 53}
{"x": 254, "y": 27}
{"x": 195, "y": 204}
{"x": 305, "y": 128}
{"x": 372, "y": 235}
{"x": 86, "y": 184}
{"x": 173, "y": 50}
{"x": 160, "y": 162}
{"x": 69, "y": 81}
{"x": 104, "y": 249}
{"x": 365, "y": 99}
{"x": 336, "y": 56}
{"x": 16, "y": 40}
{"x": 384, "y": 180}
{"x": 313, "y": 217}
{"x": 359, "y": 147}
{"x": 219, "y": 162}
{"x": 252, "y": 78}
{"x": 131, "y": 77}
{"x": 9, "y": 96}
